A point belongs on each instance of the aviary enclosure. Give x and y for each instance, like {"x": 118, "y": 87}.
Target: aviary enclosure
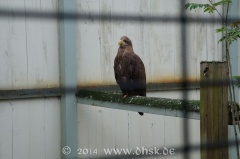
{"x": 59, "y": 97}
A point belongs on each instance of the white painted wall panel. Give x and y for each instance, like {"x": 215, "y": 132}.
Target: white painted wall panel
{"x": 193, "y": 94}
{"x": 121, "y": 118}
{"x": 158, "y": 132}
{"x": 110, "y": 128}
{"x": 87, "y": 45}
{"x": 158, "y": 44}
{"x": 83, "y": 137}
{"x": 36, "y": 129}
{"x": 100, "y": 128}
{"x": 21, "y": 130}
{"x": 134, "y": 130}
{"x": 29, "y": 47}
{"x": 30, "y": 129}
{"x": 6, "y": 133}
{"x": 52, "y": 128}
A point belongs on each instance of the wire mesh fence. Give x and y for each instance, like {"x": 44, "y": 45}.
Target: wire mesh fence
{"x": 182, "y": 19}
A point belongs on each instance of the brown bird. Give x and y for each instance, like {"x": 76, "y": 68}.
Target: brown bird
{"x": 129, "y": 70}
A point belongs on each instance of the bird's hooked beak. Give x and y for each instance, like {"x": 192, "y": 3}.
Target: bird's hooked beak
{"x": 120, "y": 42}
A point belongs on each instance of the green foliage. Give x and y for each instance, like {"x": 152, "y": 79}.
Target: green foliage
{"x": 230, "y": 33}
{"x": 222, "y": 2}
{"x": 238, "y": 79}
{"x": 209, "y": 8}
{"x": 233, "y": 34}
{"x": 206, "y": 7}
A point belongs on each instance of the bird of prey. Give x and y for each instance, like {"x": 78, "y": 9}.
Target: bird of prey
{"x": 129, "y": 70}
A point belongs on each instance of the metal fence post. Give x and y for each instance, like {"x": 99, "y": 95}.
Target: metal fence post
{"x": 68, "y": 80}
{"x": 234, "y": 13}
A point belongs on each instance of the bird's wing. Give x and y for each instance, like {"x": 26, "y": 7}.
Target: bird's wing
{"x": 116, "y": 69}
{"x": 138, "y": 75}
{"x": 137, "y": 67}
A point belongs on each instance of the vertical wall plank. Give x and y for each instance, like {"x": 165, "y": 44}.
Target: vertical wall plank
{"x": 108, "y": 126}
{"x": 100, "y": 128}
{"x": 146, "y": 125}
{"x": 30, "y": 129}
{"x": 134, "y": 130}
{"x": 92, "y": 130}
{"x": 29, "y": 47}
{"x": 169, "y": 128}
{"x": 96, "y": 130}
{"x": 88, "y": 35}
{"x": 6, "y": 133}
{"x": 52, "y": 128}
{"x": 99, "y": 132}
{"x": 20, "y": 130}
{"x": 85, "y": 116}
{"x": 194, "y": 137}
{"x": 158, "y": 131}
{"x": 37, "y": 134}
{"x": 121, "y": 124}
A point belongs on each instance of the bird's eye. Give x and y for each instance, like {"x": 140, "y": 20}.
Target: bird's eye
{"x": 125, "y": 41}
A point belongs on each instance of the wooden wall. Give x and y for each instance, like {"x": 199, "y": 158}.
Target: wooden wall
{"x": 30, "y": 129}
{"x": 158, "y": 44}
{"x": 29, "y": 58}
{"x": 30, "y": 51}
{"x": 100, "y": 128}
{"x": 29, "y": 47}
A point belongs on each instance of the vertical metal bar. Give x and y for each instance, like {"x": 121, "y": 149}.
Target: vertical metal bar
{"x": 184, "y": 69}
{"x": 233, "y": 48}
{"x": 68, "y": 79}
{"x": 234, "y": 13}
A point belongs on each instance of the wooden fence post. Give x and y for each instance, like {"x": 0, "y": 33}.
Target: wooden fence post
{"x": 214, "y": 110}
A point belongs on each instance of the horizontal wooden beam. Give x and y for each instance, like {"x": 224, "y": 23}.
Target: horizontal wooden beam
{"x": 152, "y": 105}
{"x": 150, "y": 87}
{"x": 139, "y": 108}
{"x": 29, "y": 93}
{"x": 55, "y": 92}
{"x": 48, "y": 14}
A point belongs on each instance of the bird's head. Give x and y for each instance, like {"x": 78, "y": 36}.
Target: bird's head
{"x": 124, "y": 42}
